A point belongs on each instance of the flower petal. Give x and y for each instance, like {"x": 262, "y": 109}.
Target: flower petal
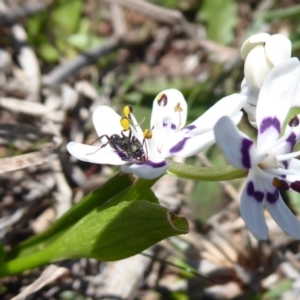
{"x": 227, "y": 106}
{"x": 249, "y": 92}
{"x": 169, "y": 104}
{"x": 293, "y": 165}
{"x": 253, "y": 41}
{"x": 106, "y": 121}
{"x": 257, "y": 67}
{"x": 284, "y": 217}
{"x": 136, "y": 129}
{"x": 237, "y": 147}
{"x": 274, "y": 101}
{"x": 184, "y": 146}
{"x": 296, "y": 100}
{"x": 148, "y": 170}
{"x": 95, "y": 154}
{"x": 278, "y": 48}
{"x": 287, "y": 142}
{"x": 186, "y": 143}
{"x": 252, "y": 210}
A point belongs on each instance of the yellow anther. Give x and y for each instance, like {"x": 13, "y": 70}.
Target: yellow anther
{"x": 159, "y": 97}
{"x": 127, "y": 111}
{"x": 178, "y": 107}
{"x": 277, "y": 183}
{"x": 125, "y": 123}
{"x": 147, "y": 134}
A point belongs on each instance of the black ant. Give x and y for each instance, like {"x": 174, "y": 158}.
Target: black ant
{"x": 127, "y": 147}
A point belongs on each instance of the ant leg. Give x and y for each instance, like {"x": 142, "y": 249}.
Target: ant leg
{"x": 123, "y": 135}
{"x": 99, "y": 138}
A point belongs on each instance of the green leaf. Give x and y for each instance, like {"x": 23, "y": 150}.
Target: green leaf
{"x": 95, "y": 199}
{"x": 204, "y": 173}
{"x": 282, "y": 13}
{"x": 151, "y": 87}
{"x": 221, "y": 18}
{"x": 105, "y": 208}
{"x": 119, "y": 188}
{"x": 49, "y": 53}
{"x": 113, "y": 233}
{"x": 119, "y": 231}
{"x": 294, "y": 200}
{"x": 3, "y": 289}
{"x": 83, "y": 41}
{"x": 66, "y": 15}
{"x": 278, "y": 290}
{"x": 133, "y": 97}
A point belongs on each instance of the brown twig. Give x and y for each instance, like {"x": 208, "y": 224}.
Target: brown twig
{"x": 62, "y": 72}
{"x": 14, "y": 15}
{"x": 156, "y": 12}
{"x": 174, "y": 17}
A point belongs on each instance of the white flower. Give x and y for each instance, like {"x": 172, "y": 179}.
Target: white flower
{"x": 146, "y": 157}
{"x": 261, "y": 52}
{"x": 271, "y": 163}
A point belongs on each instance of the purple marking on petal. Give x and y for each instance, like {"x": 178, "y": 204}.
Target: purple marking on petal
{"x": 285, "y": 163}
{"x": 280, "y": 184}
{"x": 173, "y": 126}
{"x": 258, "y": 195}
{"x": 246, "y": 160}
{"x": 272, "y": 197}
{"x": 250, "y": 188}
{"x": 121, "y": 155}
{"x": 162, "y": 100}
{"x": 156, "y": 164}
{"x": 190, "y": 127}
{"x": 292, "y": 140}
{"x": 179, "y": 146}
{"x": 269, "y": 122}
{"x": 294, "y": 122}
{"x": 295, "y": 186}
{"x": 284, "y": 185}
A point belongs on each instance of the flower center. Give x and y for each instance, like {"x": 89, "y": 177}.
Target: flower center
{"x": 270, "y": 162}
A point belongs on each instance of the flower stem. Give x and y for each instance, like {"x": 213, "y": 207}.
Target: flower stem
{"x": 204, "y": 173}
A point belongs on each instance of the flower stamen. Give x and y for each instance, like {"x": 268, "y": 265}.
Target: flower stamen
{"x": 125, "y": 123}
{"x": 127, "y": 111}
{"x": 162, "y": 99}
{"x": 280, "y": 183}
{"x": 179, "y": 109}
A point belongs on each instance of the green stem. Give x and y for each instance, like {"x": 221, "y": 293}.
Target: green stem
{"x": 204, "y": 173}
{"x": 282, "y": 13}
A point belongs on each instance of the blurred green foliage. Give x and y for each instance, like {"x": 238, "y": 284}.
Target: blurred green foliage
{"x": 61, "y": 31}
{"x": 221, "y": 18}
